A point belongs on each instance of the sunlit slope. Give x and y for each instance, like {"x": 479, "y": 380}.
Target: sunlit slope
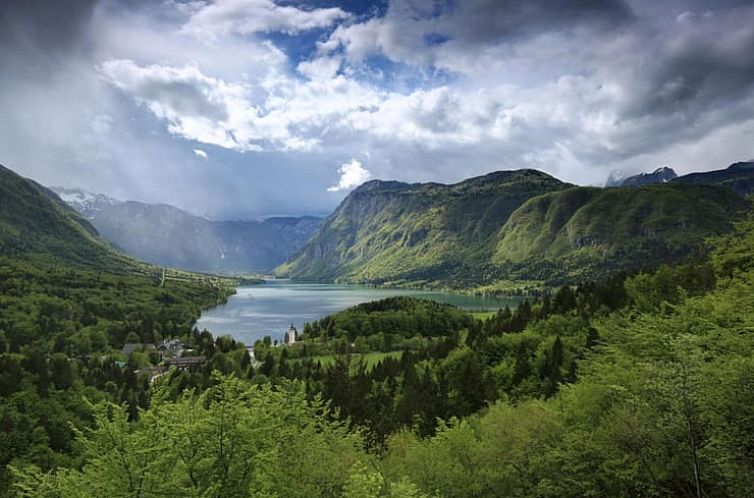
{"x": 624, "y": 226}
{"x": 392, "y": 231}
{"x": 511, "y": 225}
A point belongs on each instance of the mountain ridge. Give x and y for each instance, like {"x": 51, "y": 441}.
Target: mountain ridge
{"x": 660, "y": 175}
{"x": 36, "y": 224}
{"x": 494, "y": 228}
{"x": 166, "y": 235}
{"x": 395, "y": 230}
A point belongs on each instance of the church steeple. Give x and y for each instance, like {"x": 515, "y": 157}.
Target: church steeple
{"x": 291, "y": 336}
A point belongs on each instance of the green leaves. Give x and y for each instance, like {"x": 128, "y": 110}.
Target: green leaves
{"x": 234, "y": 440}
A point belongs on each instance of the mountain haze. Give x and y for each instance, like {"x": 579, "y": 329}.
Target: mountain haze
{"x": 168, "y": 236}
{"x": 86, "y": 203}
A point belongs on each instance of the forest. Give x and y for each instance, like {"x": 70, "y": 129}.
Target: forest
{"x": 376, "y": 249}
{"x": 639, "y": 385}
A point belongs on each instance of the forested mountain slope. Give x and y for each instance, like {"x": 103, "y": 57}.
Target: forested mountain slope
{"x": 396, "y": 232}
{"x": 621, "y": 227}
{"x": 635, "y": 386}
{"x": 68, "y": 303}
{"x": 36, "y": 224}
{"x": 515, "y": 225}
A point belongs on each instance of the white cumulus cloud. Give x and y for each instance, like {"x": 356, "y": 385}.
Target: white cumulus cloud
{"x": 244, "y": 17}
{"x": 352, "y": 175}
{"x": 273, "y": 112}
{"x": 200, "y": 153}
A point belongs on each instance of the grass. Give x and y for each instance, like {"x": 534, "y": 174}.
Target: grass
{"x": 482, "y": 315}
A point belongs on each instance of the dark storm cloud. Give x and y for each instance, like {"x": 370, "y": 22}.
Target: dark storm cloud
{"x": 430, "y": 32}
{"x": 492, "y": 21}
{"x": 42, "y": 25}
{"x": 115, "y": 95}
{"x": 710, "y": 61}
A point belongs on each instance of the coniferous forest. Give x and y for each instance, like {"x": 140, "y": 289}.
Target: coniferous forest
{"x": 376, "y": 249}
{"x": 638, "y": 385}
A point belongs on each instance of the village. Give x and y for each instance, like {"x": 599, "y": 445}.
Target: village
{"x": 173, "y": 353}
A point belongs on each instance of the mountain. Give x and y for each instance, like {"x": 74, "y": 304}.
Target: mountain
{"x": 588, "y": 230}
{"x": 86, "y": 203}
{"x": 738, "y": 177}
{"x": 393, "y": 232}
{"x": 168, "y": 236}
{"x": 660, "y": 175}
{"x": 36, "y": 225}
{"x": 34, "y": 222}
{"x": 509, "y": 225}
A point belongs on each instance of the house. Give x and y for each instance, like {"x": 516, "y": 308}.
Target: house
{"x": 171, "y": 347}
{"x": 291, "y": 336}
{"x": 152, "y": 371}
{"x": 186, "y": 362}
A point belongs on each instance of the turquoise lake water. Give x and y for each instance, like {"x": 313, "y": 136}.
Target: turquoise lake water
{"x": 269, "y": 309}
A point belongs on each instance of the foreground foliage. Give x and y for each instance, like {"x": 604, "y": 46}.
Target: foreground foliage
{"x": 639, "y": 386}
{"x": 235, "y": 439}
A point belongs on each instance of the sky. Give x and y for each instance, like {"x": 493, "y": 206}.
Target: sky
{"x": 249, "y": 108}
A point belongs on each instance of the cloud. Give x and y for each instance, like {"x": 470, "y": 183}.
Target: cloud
{"x": 244, "y": 17}
{"x": 282, "y": 113}
{"x": 426, "y": 90}
{"x": 195, "y": 106}
{"x": 597, "y": 108}
{"x": 352, "y": 175}
{"x": 200, "y": 153}
{"x": 443, "y": 33}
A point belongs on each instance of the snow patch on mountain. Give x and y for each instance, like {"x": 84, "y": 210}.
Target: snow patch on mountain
{"x": 88, "y": 204}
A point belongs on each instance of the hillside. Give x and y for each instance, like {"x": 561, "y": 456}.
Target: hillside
{"x": 512, "y": 225}
{"x": 738, "y": 177}
{"x": 36, "y": 225}
{"x": 168, "y": 236}
{"x": 587, "y": 229}
{"x": 68, "y": 304}
{"x": 392, "y": 232}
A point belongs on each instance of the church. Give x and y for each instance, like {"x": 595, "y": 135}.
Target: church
{"x": 291, "y": 336}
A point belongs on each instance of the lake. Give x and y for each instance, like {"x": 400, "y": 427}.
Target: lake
{"x": 268, "y": 309}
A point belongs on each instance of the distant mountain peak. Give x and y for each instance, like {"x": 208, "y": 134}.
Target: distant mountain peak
{"x": 166, "y": 235}
{"x": 663, "y": 174}
{"x": 664, "y": 170}
{"x": 88, "y": 204}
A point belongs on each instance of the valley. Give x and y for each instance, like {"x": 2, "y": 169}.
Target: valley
{"x": 376, "y": 249}
{"x": 270, "y": 308}
{"x": 615, "y": 296}
{"x": 168, "y": 236}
